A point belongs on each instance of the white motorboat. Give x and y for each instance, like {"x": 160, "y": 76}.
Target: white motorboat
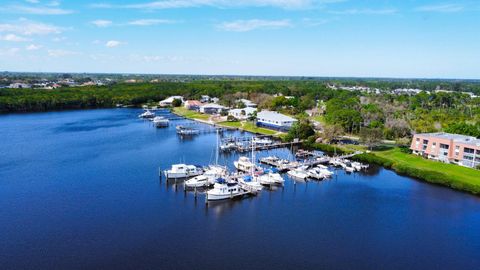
{"x": 160, "y": 121}
{"x": 325, "y": 171}
{"x": 298, "y": 173}
{"x": 349, "y": 169}
{"x": 183, "y": 171}
{"x": 271, "y": 177}
{"x": 250, "y": 183}
{"x": 244, "y": 164}
{"x": 147, "y": 114}
{"x": 207, "y": 178}
{"x": 223, "y": 190}
{"x": 228, "y": 146}
{"x": 316, "y": 173}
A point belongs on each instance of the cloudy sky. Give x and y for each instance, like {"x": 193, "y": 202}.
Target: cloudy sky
{"x": 381, "y": 38}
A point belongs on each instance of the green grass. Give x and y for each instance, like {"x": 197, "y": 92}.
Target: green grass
{"x": 190, "y": 114}
{"x": 451, "y": 175}
{"x": 248, "y": 126}
{"x": 319, "y": 118}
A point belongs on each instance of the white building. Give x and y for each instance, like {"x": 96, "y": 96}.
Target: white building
{"x": 213, "y": 108}
{"x": 168, "y": 102}
{"x": 242, "y": 114}
{"x": 247, "y": 103}
{"x": 275, "y": 120}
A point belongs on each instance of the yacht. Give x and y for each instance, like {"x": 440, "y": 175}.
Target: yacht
{"x": 183, "y": 171}
{"x": 324, "y": 169}
{"x": 271, "y": 177}
{"x": 261, "y": 141}
{"x": 207, "y": 178}
{"x": 228, "y": 146}
{"x": 223, "y": 190}
{"x": 298, "y": 173}
{"x": 160, "y": 121}
{"x": 181, "y": 130}
{"x": 244, "y": 164}
{"x": 147, "y": 114}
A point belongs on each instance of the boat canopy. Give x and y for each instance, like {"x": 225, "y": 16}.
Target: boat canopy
{"x": 220, "y": 180}
{"x": 247, "y": 178}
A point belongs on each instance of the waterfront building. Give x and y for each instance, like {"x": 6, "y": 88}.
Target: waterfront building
{"x": 275, "y": 120}
{"x": 193, "y": 105}
{"x": 450, "y": 148}
{"x": 213, "y": 108}
{"x": 168, "y": 102}
{"x": 242, "y": 114}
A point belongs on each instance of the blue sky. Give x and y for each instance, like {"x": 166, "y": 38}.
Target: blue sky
{"x": 408, "y": 38}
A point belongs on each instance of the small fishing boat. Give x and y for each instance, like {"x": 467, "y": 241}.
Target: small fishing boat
{"x": 223, "y": 190}
{"x": 160, "y": 121}
{"x": 147, "y": 115}
{"x": 183, "y": 171}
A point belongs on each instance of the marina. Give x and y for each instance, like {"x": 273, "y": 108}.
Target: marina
{"x": 119, "y": 207}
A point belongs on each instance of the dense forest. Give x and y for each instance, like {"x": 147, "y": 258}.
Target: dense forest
{"x": 396, "y": 116}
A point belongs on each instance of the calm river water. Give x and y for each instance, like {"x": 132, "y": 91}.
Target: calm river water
{"x": 80, "y": 190}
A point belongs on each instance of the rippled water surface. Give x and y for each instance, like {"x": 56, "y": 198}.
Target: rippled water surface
{"x": 80, "y": 190}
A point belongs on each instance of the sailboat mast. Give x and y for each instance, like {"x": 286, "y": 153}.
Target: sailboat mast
{"x": 216, "y": 152}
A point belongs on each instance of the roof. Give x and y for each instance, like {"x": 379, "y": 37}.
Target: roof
{"x": 248, "y": 110}
{"x": 213, "y": 105}
{"x": 193, "y": 102}
{"x": 170, "y": 99}
{"x": 271, "y": 115}
{"x": 458, "y": 138}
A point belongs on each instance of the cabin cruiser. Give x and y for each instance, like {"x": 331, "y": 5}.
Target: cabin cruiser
{"x": 160, "y": 121}
{"x": 271, "y": 160}
{"x": 298, "y": 173}
{"x": 147, "y": 114}
{"x": 207, "y": 178}
{"x": 228, "y": 146}
{"x": 244, "y": 164}
{"x": 183, "y": 171}
{"x": 271, "y": 177}
{"x": 223, "y": 190}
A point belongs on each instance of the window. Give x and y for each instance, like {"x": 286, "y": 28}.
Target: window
{"x": 425, "y": 141}
{"x": 418, "y": 139}
{"x": 444, "y": 146}
{"x": 478, "y": 152}
{"x": 468, "y": 150}
{"x": 468, "y": 157}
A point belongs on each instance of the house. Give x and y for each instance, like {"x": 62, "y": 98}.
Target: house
{"x": 19, "y": 85}
{"x": 247, "y": 103}
{"x": 275, "y": 120}
{"x": 193, "y": 105}
{"x": 168, "y": 102}
{"x": 212, "y": 108}
{"x": 242, "y": 114}
{"x": 450, "y": 148}
{"x": 205, "y": 98}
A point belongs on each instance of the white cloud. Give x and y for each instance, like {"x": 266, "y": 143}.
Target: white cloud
{"x": 33, "y": 47}
{"x": 249, "y": 25}
{"x": 28, "y": 28}
{"x": 9, "y": 51}
{"x": 13, "y": 38}
{"x": 102, "y": 23}
{"x": 169, "y": 4}
{"x": 61, "y": 53}
{"x": 147, "y": 22}
{"x": 36, "y": 10}
{"x": 442, "y": 8}
{"x": 364, "y": 11}
{"x": 113, "y": 43}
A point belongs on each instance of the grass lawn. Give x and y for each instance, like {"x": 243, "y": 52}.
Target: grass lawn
{"x": 460, "y": 173}
{"x": 319, "y": 118}
{"x": 249, "y": 126}
{"x": 190, "y": 114}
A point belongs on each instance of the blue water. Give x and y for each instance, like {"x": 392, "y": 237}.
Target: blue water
{"x": 80, "y": 190}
